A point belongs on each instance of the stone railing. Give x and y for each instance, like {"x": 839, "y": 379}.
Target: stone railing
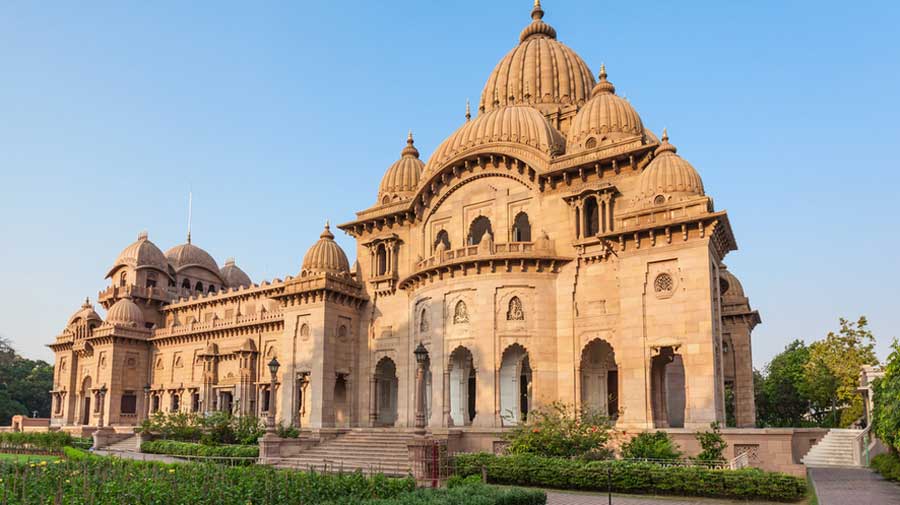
{"x": 217, "y": 324}
{"x": 485, "y": 249}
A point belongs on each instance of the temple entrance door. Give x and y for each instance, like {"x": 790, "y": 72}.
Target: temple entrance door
{"x": 386, "y": 388}
{"x": 86, "y": 401}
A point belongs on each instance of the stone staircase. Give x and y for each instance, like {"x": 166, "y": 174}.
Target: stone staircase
{"x": 368, "y": 450}
{"x": 836, "y": 448}
{"x": 129, "y": 444}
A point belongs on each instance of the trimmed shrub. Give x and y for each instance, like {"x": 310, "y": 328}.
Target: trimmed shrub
{"x": 647, "y": 445}
{"x": 559, "y": 430}
{"x": 888, "y": 465}
{"x": 48, "y": 440}
{"x": 173, "y": 448}
{"x": 632, "y": 477}
{"x": 712, "y": 443}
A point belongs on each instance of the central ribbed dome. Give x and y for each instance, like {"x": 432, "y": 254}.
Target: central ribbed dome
{"x": 518, "y": 125}
{"x": 402, "y": 178}
{"x": 325, "y": 256}
{"x": 189, "y": 255}
{"x": 540, "y": 70}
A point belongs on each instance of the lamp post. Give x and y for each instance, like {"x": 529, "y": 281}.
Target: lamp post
{"x": 103, "y": 391}
{"x": 147, "y": 400}
{"x": 421, "y": 355}
{"x": 270, "y": 419}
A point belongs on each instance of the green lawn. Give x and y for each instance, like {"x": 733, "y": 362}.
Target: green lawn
{"x": 28, "y": 458}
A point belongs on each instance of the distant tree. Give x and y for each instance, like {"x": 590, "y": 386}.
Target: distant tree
{"x": 886, "y": 399}
{"x": 779, "y": 398}
{"x": 832, "y": 372}
{"x": 24, "y": 384}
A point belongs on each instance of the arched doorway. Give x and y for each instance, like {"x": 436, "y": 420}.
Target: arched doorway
{"x": 480, "y": 226}
{"x": 599, "y": 379}
{"x": 667, "y": 391}
{"x": 463, "y": 387}
{"x": 386, "y": 387}
{"x": 86, "y": 395}
{"x": 515, "y": 385}
{"x": 341, "y": 410}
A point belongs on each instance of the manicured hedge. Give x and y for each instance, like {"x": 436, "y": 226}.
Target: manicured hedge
{"x": 48, "y": 440}
{"x": 96, "y": 480}
{"x": 888, "y": 465}
{"x": 171, "y": 447}
{"x": 628, "y": 477}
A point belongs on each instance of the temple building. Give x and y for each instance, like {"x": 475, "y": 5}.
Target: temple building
{"x": 552, "y": 248}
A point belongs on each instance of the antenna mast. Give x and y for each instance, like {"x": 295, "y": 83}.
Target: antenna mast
{"x": 190, "y": 211}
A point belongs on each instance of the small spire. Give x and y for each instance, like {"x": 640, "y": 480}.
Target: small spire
{"x": 537, "y": 13}
{"x": 468, "y": 111}
{"x": 87, "y": 303}
{"x": 665, "y": 135}
{"x": 603, "y": 85}
{"x": 603, "y": 71}
{"x": 409, "y": 138}
{"x": 665, "y": 146}
{"x": 410, "y": 149}
{"x": 327, "y": 232}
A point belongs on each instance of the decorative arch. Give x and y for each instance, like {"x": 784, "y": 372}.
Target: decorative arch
{"x": 599, "y": 378}
{"x": 478, "y": 228}
{"x": 387, "y": 386}
{"x": 432, "y": 206}
{"x": 521, "y": 229}
{"x": 463, "y": 386}
{"x": 442, "y": 237}
{"x": 515, "y": 385}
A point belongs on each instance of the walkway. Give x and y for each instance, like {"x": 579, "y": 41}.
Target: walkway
{"x": 568, "y": 498}
{"x": 140, "y": 456}
{"x": 840, "y": 486}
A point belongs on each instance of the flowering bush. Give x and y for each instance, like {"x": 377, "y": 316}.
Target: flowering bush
{"x": 559, "y": 430}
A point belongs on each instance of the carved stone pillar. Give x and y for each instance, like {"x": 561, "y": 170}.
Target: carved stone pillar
{"x": 448, "y": 421}
{"x": 420, "y": 395}
{"x": 373, "y": 400}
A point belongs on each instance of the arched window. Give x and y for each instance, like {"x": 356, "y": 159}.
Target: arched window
{"x": 521, "y": 228}
{"x": 186, "y": 284}
{"x": 386, "y": 200}
{"x": 123, "y": 279}
{"x": 460, "y": 313}
{"x": 151, "y": 279}
{"x": 381, "y": 259}
{"x": 480, "y": 225}
{"x": 212, "y": 289}
{"x": 591, "y": 217}
{"x": 442, "y": 238}
{"x": 515, "y": 312}
{"x": 199, "y": 287}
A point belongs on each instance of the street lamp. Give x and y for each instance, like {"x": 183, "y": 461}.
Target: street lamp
{"x": 147, "y": 400}
{"x": 421, "y": 354}
{"x": 103, "y": 391}
{"x": 270, "y": 420}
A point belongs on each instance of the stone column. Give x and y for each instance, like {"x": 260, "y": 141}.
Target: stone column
{"x": 373, "y": 400}
{"x": 448, "y": 420}
{"x": 420, "y": 395}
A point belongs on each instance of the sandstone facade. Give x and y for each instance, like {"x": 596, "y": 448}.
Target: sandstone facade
{"x": 551, "y": 249}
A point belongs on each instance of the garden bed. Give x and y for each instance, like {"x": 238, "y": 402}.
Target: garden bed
{"x": 634, "y": 478}
{"x": 173, "y": 448}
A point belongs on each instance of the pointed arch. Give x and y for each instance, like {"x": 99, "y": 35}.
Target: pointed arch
{"x": 515, "y": 385}
{"x": 521, "y": 229}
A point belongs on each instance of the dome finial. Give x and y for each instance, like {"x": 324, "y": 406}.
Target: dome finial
{"x": 537, "y": 13}
{"x": 603, "y": 86}
{"x": 665, "y": 135}
{"x": 410, "y": 149}
{"x": 665, "y": 146}
{"x": 87, "y": 303}
{"x": 468, "y": 111}
{"x": 409, "y": 138}
{"x": 326, "y": 233}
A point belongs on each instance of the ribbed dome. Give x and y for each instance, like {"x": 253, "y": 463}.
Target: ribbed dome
{"x": 141, "y": 254}
{"x": 233, "y": 276}
{"x": 402, "y": 178}
{"x": 125, "y": 312}
{"x": 668, "y": 177}
{"x": 604, "y": 119}
{"x": 325, "y": 256}
{"x": 729, "y": 285}
{"x": 188, "y": 255}
{"x": 540, "y": 70}
{"x": 85, "y": 313}
{"x": 515, "y": 124}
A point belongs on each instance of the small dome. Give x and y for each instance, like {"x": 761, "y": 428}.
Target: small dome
{"x": 729, "y": 286}
{"x": 233, "y": 276}
{"x": 402, "y": 178}
{"x": 606, "y": 118}
{"x": 125, "y": 312}
{"x": 189, "y": 255}
{"x": 540, "y": 70}
{"x": 85, "y": 313}
{"x": 668, "y": 177}
{"x": 139, "y": 255}
{"x": 520, "y": 125}
{"x": 325, "y": 256}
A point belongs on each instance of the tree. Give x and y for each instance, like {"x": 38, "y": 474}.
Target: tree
{"x": 24, "y": 384}
{"x": 886, "y": 400}
{"x": 779, "y": 401}
{"x": 832, "y": 372}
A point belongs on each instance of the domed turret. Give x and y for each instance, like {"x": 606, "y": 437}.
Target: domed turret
{"x": 233, "y": 276}
{"x": 402, "y": 178}
{"x": 540, "y": 70}
{"x": 85, "y": 314}
{"x": 140, "y": 255}
{"x": 188, "y": 255}
{"x": 325, "y": 256}
{"x": 126, "y": 313}
{"x": 668, "y": 178}
{"x": 519, "y": 125}
{"x": 606, "y": 118}
{"x": 729, "y": 286}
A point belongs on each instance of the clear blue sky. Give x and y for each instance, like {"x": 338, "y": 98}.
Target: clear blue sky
{"x": 281, "y": 115}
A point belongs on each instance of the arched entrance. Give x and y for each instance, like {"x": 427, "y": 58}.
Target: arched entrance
{"x": 667, "y": 392}
{"x": 515, "y": 385}
{"x": 386, "y": 387}
{"x": 463, "y": 387}
{"x": 86, "y": 395}
{"x": 599, "y": 379}
{"x": 341, "y": 403}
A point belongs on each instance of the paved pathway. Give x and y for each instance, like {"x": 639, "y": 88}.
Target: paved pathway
{"x": 140, "y": 456}
{"x": 561, "y": 498}
{"x": 842, "y": 486}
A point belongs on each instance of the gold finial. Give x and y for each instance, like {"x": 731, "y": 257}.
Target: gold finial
{"x": 468, "y": 111}
{"x": 537, "y": 12}
{"x": 327, "y": 225}
{"x": 409, "y": 138}
{"x": 603, "y": 71}
{"x": 665, "y": 135}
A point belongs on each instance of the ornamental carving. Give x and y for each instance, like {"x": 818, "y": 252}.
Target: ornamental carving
{"x": 460, "y": 313}
{"x": 515, "y": 312}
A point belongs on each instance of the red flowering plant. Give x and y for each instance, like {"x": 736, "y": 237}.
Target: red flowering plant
{"x": 562, "y": 431}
